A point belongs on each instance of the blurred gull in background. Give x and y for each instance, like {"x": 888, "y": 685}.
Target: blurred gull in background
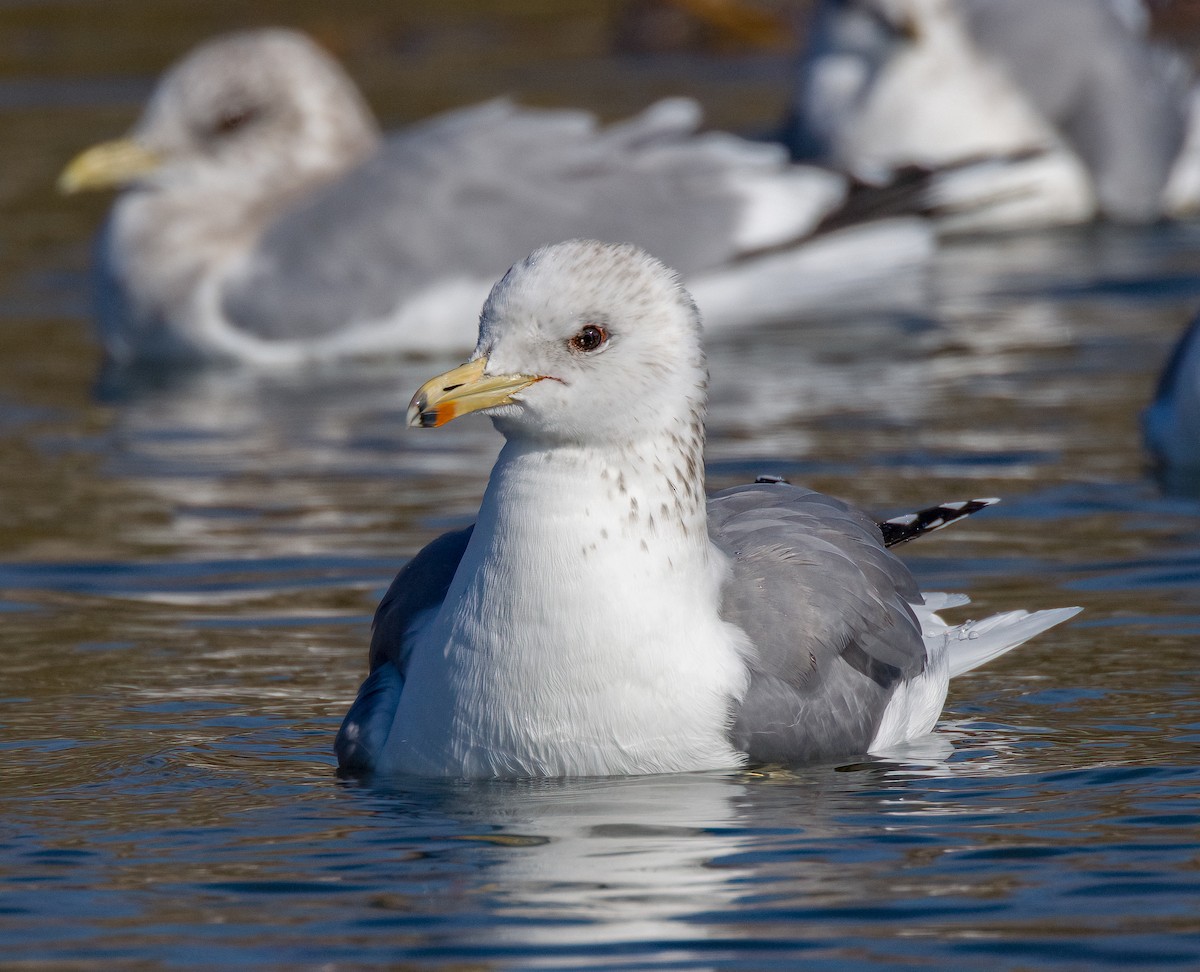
{"x": 1047, "y": 111}
{"x": 263, "y": 218}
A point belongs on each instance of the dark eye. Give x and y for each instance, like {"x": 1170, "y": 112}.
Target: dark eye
{"x": 591, "y": 337}
{"x": 232, "y": 120}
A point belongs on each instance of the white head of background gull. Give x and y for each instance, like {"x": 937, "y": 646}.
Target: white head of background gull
{"x": 602, "y": 616}
{"x": 264, "y": 220}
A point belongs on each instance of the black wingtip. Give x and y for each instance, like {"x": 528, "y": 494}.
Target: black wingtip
{"x": 901, "y": 529}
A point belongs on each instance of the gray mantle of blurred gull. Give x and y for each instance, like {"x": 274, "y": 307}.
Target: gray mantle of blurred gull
{"x": 603, "y": 616}
{"x": 263, "y": 218}
{"x": 1065, "y": 106}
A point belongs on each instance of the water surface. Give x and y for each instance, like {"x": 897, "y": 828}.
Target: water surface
{"x": 188, "y": 567}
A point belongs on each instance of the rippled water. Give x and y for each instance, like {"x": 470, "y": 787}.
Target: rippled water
{"x": 187, "y": 573}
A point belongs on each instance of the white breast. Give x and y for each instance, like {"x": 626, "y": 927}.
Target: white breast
{"x": 579, "y": 639}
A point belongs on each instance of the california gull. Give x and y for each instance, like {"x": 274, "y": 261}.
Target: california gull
{"x": 263, "y": 217}
{"x": 1077, "y": 111}
{"x": 602, "y": 616}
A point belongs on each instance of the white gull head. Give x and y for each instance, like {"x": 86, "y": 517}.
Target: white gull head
{"x": 611, "y": 338}
{"x": 265, "y": 106}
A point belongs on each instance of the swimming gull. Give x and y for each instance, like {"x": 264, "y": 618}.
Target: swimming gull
{"x": 1077, "y": 111}
{"x": 264, "y": 218}
{"x": 601, "y": 616}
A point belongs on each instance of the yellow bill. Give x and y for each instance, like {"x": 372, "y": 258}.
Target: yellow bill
{"x": 108, "y": 165}
{"x": 461, "y": 391}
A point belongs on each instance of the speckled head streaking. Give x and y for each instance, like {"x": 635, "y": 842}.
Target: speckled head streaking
{"x": 582, "y": 342}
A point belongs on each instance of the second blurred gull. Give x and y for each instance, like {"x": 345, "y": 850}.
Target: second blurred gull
{"x": 263, "y": 218}
{"x": 1079, "y": 113}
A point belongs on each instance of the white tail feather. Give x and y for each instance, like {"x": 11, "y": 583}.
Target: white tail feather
{"x": 954, "y": 649}
{"x": 973, "y": 643}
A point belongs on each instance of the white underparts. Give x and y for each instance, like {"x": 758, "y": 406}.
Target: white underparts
{"x": 581, "y": 634}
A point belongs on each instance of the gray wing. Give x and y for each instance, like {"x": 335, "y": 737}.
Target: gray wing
{"x": 1120, "y": 102}
{"x": 827, "y": 608}
{"x": 470, "y": 192}
{"x": 419, "y": 586}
